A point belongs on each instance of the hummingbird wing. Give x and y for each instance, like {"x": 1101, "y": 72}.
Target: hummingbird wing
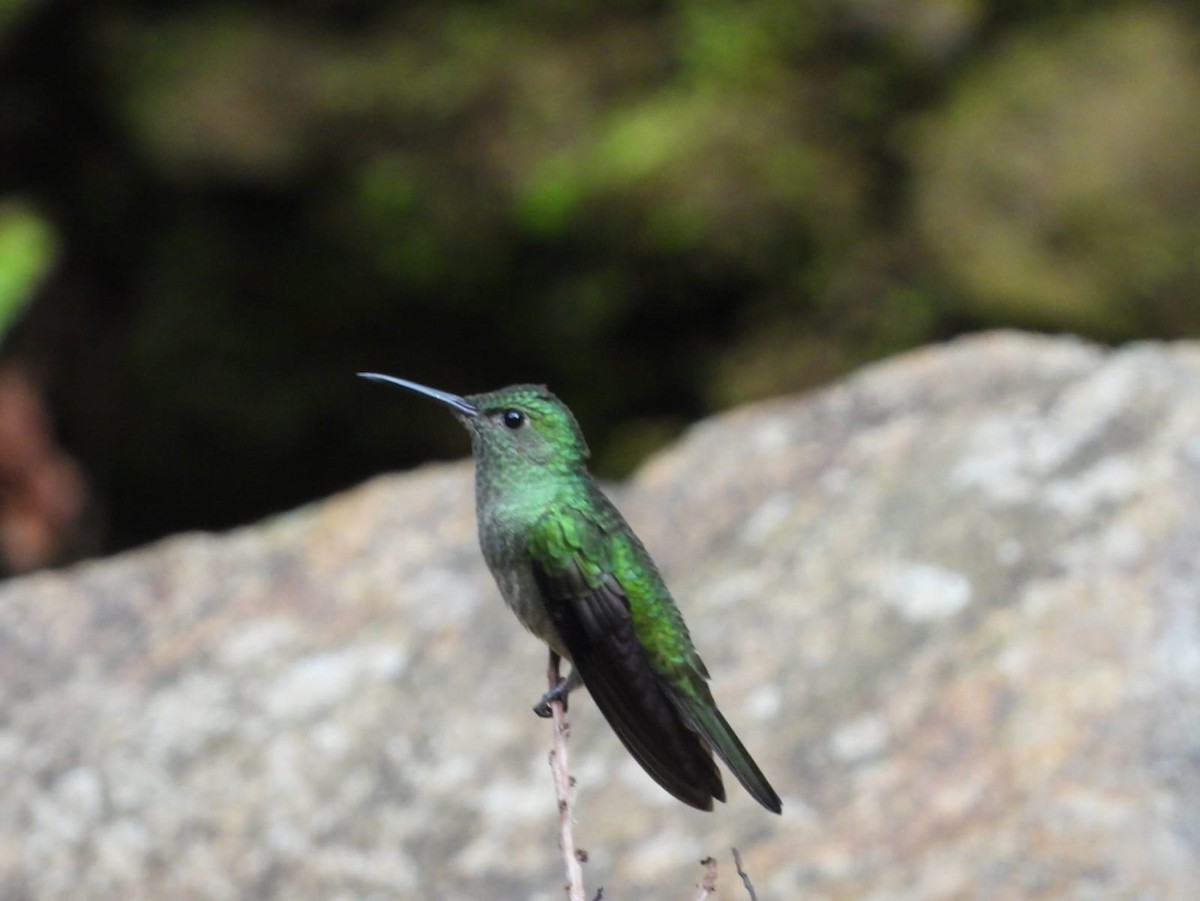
{"x": 684, "y": 677}
{"x": 701, "y": 713}
{"x": 573, "y": 561}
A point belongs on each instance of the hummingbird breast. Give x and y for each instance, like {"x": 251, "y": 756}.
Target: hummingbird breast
{"x": 504, "y": 540}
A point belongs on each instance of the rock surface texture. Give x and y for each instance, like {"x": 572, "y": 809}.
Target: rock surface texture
{"x": 952, "y": 605}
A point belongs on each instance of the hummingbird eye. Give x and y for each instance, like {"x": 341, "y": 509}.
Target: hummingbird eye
{"x": 514, "y": 419}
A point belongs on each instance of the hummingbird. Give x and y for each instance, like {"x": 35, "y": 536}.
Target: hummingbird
{"x": 577, "y": 577}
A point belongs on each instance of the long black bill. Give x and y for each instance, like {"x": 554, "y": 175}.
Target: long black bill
{"x": 453, "y": 401}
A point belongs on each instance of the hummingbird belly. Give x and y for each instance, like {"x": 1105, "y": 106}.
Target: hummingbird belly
{"x": 514, "y": 578}
{"x": 522, "y": 596}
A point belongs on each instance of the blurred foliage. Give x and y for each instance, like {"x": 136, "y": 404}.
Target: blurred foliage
{"x": 659, "y": 208}
{"x": 27, "y": 248}
{"x": 1059, "y": 187}
{"x": 12, "y": 13}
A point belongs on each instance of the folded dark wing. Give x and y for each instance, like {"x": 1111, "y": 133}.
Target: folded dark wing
{"x": 594, "y": 622}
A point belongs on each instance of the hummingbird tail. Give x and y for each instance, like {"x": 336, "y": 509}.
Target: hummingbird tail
{"x": 707, "y": 720}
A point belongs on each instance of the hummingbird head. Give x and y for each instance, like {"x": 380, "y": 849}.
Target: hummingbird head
{"x": 522, "y": 426}
{"x": 525, "y": 424}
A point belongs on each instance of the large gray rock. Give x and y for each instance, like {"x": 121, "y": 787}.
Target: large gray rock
{"x": 952, "y": 605}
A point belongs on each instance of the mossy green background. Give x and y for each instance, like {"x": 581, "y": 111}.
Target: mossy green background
{"x": 661, "y": 209}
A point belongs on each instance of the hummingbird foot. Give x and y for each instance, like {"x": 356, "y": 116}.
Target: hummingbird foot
{"x": 558, "y": 693}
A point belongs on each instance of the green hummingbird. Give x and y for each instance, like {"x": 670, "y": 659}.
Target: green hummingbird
{"x": 577, "y": 577}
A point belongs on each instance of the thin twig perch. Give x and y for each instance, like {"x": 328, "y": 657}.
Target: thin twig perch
{"x": 562, "y": 790}
{"x": 737, "y": 860}
{"x": 708, "y": 885}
